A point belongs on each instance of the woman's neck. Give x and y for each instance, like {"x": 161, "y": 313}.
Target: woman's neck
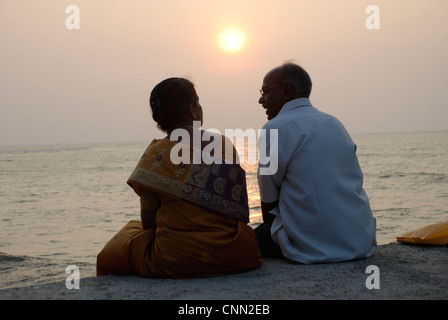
{"x": 183, "y": 125}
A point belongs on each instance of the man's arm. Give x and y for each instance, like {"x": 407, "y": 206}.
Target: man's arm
{"x": 265, "y": 208}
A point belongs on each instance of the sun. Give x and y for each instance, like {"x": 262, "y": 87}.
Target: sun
{"x": 232, "y": 39}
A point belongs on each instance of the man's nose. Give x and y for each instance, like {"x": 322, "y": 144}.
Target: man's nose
{"x": 261, "y": 100}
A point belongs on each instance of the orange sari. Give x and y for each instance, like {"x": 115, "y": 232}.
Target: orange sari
{"x": 201, "y": 221}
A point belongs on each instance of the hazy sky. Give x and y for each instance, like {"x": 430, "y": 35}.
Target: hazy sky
{"x": 92, "y": 84}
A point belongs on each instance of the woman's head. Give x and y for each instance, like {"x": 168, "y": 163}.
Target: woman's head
{"x": 174, "y": 103}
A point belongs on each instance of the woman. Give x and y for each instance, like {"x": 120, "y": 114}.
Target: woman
{"x": 193, "y": 215}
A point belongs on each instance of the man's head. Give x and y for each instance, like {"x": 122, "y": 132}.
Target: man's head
{"x": 283, "y": 84}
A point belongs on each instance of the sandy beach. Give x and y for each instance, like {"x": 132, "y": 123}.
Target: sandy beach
{"x": 403, "y": 272}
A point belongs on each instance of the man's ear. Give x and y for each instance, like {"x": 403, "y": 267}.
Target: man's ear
{"x": 288, "y": 91}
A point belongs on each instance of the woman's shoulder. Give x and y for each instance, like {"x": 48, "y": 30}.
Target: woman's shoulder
{"x": 158, "y": 144}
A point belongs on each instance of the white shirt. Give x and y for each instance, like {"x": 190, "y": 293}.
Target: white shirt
{"x": 323, "y": 213}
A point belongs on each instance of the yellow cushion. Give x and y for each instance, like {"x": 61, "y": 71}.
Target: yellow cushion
{"x": 434, "y": 234}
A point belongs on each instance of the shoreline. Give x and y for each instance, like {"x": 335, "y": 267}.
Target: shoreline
{"x": 404, "y": 272}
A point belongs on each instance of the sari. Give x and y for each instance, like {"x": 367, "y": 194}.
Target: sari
{"x": 201, "y": 221}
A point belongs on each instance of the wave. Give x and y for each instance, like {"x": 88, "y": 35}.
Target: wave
{"x": 435, "y": 177}
{"x": 387, "y": 176}
{"x": 23, "y": 271}
{"x": 4, "y": 258}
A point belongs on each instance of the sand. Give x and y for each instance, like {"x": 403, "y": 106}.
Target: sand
{"x": 403, "y": 272}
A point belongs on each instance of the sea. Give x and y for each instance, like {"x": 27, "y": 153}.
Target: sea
{"x": 61, "y": 203}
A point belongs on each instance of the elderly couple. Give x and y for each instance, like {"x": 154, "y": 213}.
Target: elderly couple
{"x": 194, "y": 216}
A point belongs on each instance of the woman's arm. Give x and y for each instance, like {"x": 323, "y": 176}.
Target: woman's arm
{"x": 148, "y": 218}
{"x": 148, "y": 210}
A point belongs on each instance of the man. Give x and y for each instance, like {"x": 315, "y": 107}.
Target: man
{"x": 314, "y": 207}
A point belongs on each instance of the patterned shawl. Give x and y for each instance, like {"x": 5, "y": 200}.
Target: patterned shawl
{"x": 219, "y": 187}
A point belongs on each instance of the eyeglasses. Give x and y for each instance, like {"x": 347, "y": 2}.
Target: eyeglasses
{"x": 263, "y": 91}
